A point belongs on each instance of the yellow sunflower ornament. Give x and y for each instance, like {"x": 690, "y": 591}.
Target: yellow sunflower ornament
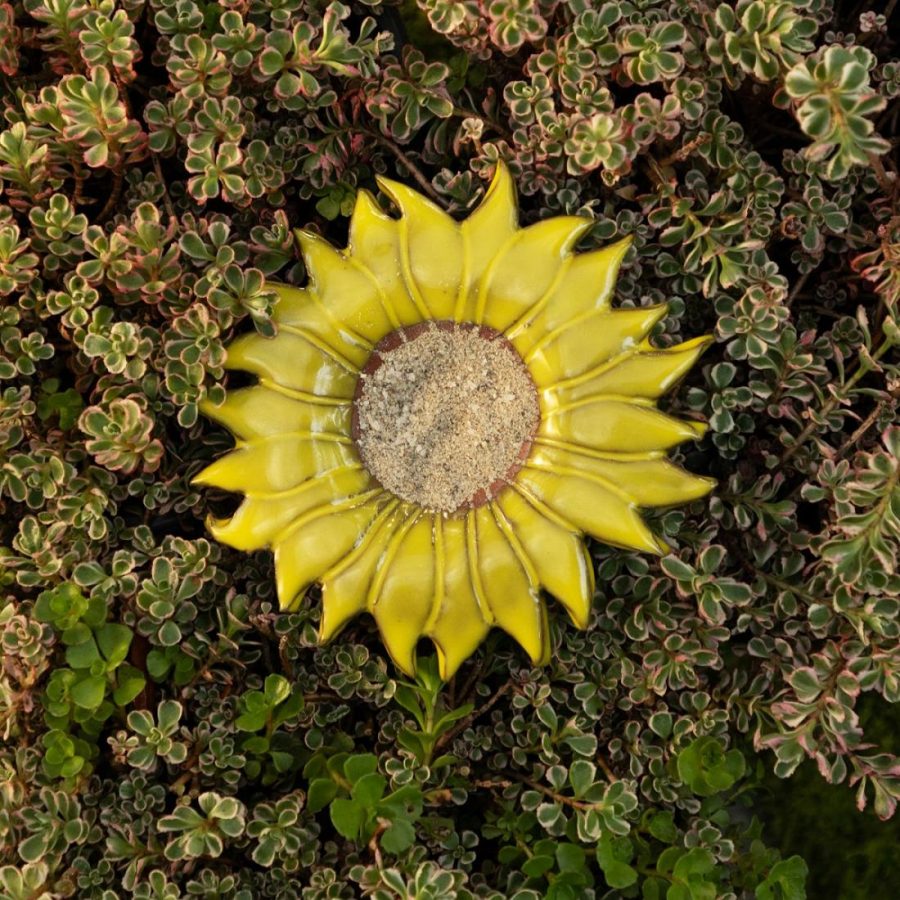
{"x": 446, "y": 410}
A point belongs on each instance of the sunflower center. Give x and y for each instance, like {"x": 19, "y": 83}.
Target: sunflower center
{"x": 444, "y": 414}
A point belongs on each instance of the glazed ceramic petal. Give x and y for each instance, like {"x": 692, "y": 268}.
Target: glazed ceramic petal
{"x": 460, "y": 623}
{"x": 586, "y": 285}
{"x": 646, "y": 373}
{"x": 614, "y": 425}
{"x": 296, "y": 361}
{"x": 581, "y": 345}
{"x": 263, "y": 410}
{"x": 485, "y": 233}
{"x": 557, "y": 553}
{"x": 313, "y": 543}
{"x": 301, "y": 311}
{"x": 375, "y": 245}
{"x": 431, "y": 250}
{"x": 276, "y": 463}
{"x": 347, "y": 291}
{"x": 526, "y": 270}
{"x": 592, "y": 507}
{"x": 505, "y": 583}
{"x": 403, "y": 591}
{"x": 647, "y": 482}
{"x": 260, "y": 519}
{"x": 345, "y": 587}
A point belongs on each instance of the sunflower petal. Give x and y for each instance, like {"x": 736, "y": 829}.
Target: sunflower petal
{"x": 259, "y": 411}
{"x": 432, "y": 250}
{"x": 375, "y": 245}
{"x": 349, "y": 293}
{"x": 296, "y": 305}
{"x": 611, "y": 425}
{"x": 587, "y": 285}
{"x": 647, "y": 482}
{"x": 506, "y": 586}
{"x": 459, "y": 626}
{"x": 558, "y": 554}
{"x": 529, "y": 266}
{"x": 301, "y": 308}
{"x": 345, "y": 587}
{"x": 315, "y": 542}
{"x": 294, "y": 361}
{"x": 585, "y": 343}
{"x": 276, "y": 463}
{"x": 260, "y": 519}
{"x": 484, "y": 234}
{"x": 401, "y": 595}
{"x": 592, "y": 508}
{"x": 648, "y": 373}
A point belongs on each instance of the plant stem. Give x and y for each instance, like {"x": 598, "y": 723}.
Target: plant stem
{"x": 114, "y": 196}
{"x": 464, "y": 723}
{"x": 833, "y": 402}
{"x": 413, "y": 169}
{"x": 559, "y": 798}
{"x": 167, "y": 200}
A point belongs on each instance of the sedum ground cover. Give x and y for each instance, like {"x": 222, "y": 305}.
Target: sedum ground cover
{"x": 165, "y": 732}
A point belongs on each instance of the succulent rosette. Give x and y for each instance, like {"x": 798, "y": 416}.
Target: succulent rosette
{"x": 447, "y": 410}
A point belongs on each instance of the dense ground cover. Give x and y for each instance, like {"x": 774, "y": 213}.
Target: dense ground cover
{"x": 165, "y": 731}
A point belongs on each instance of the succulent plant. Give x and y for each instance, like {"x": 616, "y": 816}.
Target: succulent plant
{"x": 835, "y": 101}
{"x": 729, "y": 702}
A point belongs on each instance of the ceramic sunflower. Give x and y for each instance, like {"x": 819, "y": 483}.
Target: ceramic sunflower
{"x": 447, "y": 409}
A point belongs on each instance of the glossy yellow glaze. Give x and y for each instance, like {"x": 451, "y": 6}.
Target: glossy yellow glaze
{"x": 580, "y": 346}
{"x": 314, "y": 542}
{"x": 294, "y": 361}
{"x": 530, "y": 266}
{"x": 559, "y": 555}
{"x": 405, "y": 588}
{"x": 261, "y": 518}
{"x": 459, "y": 623}
{"x": 585, "y": 286}
{"x": 431, "y": 277}
{"x": 598, "y": 456}
{"x": 345, "y": 587}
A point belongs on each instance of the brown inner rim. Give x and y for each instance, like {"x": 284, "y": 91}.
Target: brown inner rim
{"x": 408, "y": 333}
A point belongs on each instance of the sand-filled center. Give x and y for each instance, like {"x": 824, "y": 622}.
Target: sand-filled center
{"x": 444, "y": 414}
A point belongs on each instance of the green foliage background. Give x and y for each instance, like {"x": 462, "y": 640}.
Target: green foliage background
{"x": 850, "y": 855}
{"x": 165, "y": 732}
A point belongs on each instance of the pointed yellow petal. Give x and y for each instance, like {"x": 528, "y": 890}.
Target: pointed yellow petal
{"x": 586, "y": 286}
{"x": 432, "y": 250}
{"x": 260, "y": 519}
{"x": 648, "y": 482}
{"x": 375, "y": 245}
{"x": 350, "y": 294}
{"x": 301, "y": 308}
{"x": 558, "y": 554}
{"x": 315, "y": 542}
{"x": 592, "y": 508}
{"x": 586, "y": 343}
{"x": 277, "y": 463}
{"x": 647, "y": 373}
{"x": 459, "y": 626}
{"x": 507, "y": 586}
{"x": 296, "y": 305}
{"x": 611, "y": 425}
{"x": 345, "y": 587}
{"x": 294, "y": 361}
{"x": 531, "y": 264}
{"x": 484, "y": 233}
{"x": 259, "y": 411}
{"x": 403, "y": 593}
